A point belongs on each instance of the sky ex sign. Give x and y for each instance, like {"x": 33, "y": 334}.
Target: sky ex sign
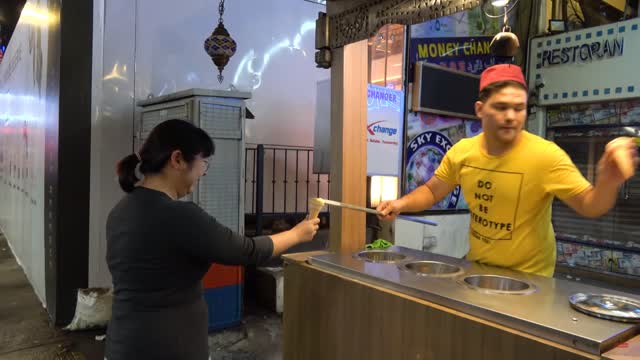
{"x": 385, "y": 111}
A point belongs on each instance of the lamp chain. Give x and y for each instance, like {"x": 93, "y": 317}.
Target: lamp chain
{"x": 221, "y": 10}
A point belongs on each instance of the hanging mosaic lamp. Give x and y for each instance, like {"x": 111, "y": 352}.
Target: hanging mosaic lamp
{"x": 220, "y": 46}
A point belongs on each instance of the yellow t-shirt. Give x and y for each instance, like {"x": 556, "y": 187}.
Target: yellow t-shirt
{"x": 510, "y": 198}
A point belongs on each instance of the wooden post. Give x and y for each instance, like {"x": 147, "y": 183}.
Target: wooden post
{"x": 349, "y": 76}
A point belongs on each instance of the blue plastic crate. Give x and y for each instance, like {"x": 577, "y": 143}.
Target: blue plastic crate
{"x": 224, "y": 305}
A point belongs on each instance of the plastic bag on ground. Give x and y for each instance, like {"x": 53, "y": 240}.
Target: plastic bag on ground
{"x": 93, "y": 309}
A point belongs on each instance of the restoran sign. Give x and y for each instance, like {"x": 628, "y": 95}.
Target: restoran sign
{"x": 588, "y": 65}
{"x": 596, "y": 50}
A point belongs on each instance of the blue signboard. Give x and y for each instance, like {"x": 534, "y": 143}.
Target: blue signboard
{"x": 469, "y": 54}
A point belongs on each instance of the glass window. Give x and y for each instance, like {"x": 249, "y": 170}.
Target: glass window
{"x": 386, "y": 56}
{"x": 609, "y": 243}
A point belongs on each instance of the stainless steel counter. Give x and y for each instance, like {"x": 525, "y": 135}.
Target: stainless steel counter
{"x": 542, "y": 310}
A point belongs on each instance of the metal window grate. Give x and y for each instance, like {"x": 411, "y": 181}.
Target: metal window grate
{"x": 219, "y": 191}
{"x": 152, "y": 118}
{"x": 221, "y": 121}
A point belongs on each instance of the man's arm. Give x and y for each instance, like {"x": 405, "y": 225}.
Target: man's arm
{"x": 424, "y": 197}
{"x": 594, "y": 201}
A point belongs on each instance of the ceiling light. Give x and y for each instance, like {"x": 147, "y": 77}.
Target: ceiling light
{"x": 499, "y": 3}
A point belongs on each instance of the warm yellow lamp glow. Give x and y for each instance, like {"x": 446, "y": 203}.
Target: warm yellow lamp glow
{"x": 383, "y": 188}
{"x": 499, "y": 3}
{"x": 35, "y": 15}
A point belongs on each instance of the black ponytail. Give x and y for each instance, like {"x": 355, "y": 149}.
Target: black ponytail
{"x": 164, "y": 139}
{"x": 126, "y": 170}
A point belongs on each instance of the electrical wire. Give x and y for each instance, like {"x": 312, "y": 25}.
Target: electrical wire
{"x": 575, "y": 12}
{"x": 572, "y": 19}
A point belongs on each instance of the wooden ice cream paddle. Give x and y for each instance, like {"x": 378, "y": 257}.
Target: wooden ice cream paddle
{"x": 315, "y": 204}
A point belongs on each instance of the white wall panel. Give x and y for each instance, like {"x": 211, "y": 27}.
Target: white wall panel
{"x": 113, "y": 117}
{"x": 23, "y": 103}
{"x": 274, "y": 60}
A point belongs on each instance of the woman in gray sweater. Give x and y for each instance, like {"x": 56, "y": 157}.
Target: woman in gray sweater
{"x": 159, "y": 248}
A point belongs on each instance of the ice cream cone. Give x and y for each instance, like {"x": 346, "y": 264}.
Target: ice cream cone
{"x": 625, "y": 163}
{"x": 315, "y": 205}
{"x": 624, "y": 160}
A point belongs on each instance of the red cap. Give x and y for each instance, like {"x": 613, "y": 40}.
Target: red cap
{"x": 501, "y": 72}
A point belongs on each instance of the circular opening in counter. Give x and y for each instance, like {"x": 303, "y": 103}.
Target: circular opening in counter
{"x": 380, "y": 256}
{"x": 432, "y": 268}
{"x": 499, "y": 284}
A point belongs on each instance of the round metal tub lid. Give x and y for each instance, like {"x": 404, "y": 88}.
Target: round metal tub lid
{"x": 606, "y": 306}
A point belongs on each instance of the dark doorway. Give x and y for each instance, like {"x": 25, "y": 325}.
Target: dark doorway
{"x": 9, "y": 14}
